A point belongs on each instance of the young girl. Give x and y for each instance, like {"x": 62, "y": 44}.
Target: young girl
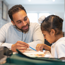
{"x": 52, "y": 29}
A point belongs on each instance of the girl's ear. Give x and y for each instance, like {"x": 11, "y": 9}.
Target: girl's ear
{"x": 13, "y": 22}
{"x": 52, "y": 32}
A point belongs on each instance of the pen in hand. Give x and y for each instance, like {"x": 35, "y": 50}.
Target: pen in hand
{"x": 32, "y": 48}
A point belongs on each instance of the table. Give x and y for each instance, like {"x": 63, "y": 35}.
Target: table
{"x": 21, "y": 59}
{"x": 18, "y": 59}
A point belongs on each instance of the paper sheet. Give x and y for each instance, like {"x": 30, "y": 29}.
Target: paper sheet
{"x": 33, "y": 53}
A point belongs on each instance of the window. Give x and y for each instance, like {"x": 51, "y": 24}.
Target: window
{"x": 45, "y": 14}
{"x": 33, "y": 17}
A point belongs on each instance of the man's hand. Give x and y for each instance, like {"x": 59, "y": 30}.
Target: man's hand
{"x": 40, "y": 47}
{"x": 20, "y": 45}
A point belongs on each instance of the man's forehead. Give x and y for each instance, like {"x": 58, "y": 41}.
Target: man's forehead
{"x": 19, "y": 15}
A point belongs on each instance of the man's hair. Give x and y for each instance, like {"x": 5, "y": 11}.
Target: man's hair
{"x": 15, "y": 9}
{"x": 52, "y": 22}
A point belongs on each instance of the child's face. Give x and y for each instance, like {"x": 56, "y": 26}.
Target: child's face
{"x": 50, "y": 37}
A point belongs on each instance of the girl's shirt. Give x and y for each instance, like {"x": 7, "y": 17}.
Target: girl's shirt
{"x": 58, "y": 48}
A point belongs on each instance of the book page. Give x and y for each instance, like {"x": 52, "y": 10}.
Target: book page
{"x": 32, "y": 53}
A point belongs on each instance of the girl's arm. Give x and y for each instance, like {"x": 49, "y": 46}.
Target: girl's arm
{"x": 40, "y": 47}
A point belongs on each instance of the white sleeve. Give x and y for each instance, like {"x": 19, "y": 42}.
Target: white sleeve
{"x": 3, "y": 37}
{"x": 37, "y": 37}
{"x": 6, "y": 44}
{"x": 3, "y": 34}
{"x": 61, "y": 50}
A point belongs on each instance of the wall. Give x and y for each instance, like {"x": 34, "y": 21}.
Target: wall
{"x": 57, "y": 8}
{"x": 64, "y": 18}
{"x": 2, "y": 22}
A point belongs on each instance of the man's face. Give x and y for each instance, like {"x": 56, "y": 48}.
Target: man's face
{"x": 21, "y": 21}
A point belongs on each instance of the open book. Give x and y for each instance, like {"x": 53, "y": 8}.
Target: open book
{"x": 32, "y": 53}
{"x": 45, "y": 56}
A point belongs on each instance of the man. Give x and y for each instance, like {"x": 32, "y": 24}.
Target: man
{"x": 20, "y": 33}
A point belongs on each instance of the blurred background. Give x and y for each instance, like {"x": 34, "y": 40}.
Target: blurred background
{"x": 34, "y": 8}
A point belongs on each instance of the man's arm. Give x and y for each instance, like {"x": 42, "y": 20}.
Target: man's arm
{"x": 37, "y": 36}
{"x": 3, "y": 37}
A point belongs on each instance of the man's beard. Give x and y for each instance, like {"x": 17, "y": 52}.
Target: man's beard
{"x": 24, "y": 31}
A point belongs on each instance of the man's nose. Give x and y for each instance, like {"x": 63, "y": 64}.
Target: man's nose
{"x": 24, "y": 23}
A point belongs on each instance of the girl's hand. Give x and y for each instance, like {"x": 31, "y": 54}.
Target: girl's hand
{"x": 39, "y": 47}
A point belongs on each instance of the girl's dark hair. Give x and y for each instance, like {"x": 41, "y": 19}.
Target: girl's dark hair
{"x": 15, "y": 9}
{"x": 52, "y": 22}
